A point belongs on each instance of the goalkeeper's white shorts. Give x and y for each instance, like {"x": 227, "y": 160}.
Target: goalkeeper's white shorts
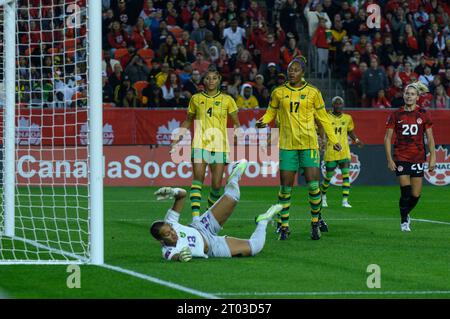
{"x": 208, "y": 226}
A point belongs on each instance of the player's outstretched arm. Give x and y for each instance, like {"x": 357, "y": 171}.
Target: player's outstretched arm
{"x": 271, "y": 112}
{"x": 387, "y": 148}
{"x": 268, "y": 117}
{"x": 178, "y": 194}
{"x": 432, "y": 147}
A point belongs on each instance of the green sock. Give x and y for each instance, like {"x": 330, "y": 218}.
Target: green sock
{"x": 284, "y": 198}
{"x": 345, "y": 182}
{"x": 195, "y": 196}
{"x": 326, "y": 182}
{"x": 315, "y": 200}
{"x": 213, "y": 197}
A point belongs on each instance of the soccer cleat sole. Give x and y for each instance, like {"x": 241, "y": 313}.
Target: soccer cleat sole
{"x": 239, "y": 168}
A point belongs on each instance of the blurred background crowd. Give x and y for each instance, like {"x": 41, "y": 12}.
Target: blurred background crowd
{"x": 156, "y": 52}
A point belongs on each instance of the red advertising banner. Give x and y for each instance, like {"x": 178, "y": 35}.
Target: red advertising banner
{"x": 145, "y": 166}
{"x": 124, "y": 166}
{"x": 145, "y": 126}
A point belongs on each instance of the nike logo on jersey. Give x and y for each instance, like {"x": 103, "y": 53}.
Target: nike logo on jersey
{"x": 400, "y": 121}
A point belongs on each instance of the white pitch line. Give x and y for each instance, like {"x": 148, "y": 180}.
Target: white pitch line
{"x": 430, "y": 221}
{"x": 160, "y": 281}
{"x": 332, "y": 293}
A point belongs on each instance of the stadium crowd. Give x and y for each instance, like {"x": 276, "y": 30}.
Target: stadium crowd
{"x": 155, "y": 52}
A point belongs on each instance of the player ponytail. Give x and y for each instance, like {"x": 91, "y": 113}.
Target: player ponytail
{"x": 419, "y": 87}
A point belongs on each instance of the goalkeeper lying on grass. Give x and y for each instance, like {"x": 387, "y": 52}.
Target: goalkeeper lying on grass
{"x": 199, "y": 239}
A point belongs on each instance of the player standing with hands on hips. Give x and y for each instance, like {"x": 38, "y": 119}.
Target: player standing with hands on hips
{"x": 410, "y": 123}
{"x": 298, "y": 104}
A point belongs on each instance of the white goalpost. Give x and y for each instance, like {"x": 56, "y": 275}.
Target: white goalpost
{"x": 51, "y": 208}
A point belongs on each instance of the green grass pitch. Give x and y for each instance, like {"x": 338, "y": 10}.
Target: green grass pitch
{"x": 413, "y": 265}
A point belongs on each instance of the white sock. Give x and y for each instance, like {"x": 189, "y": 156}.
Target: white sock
{"x": 258, "y": 237}
{"x": 232, "y": 190}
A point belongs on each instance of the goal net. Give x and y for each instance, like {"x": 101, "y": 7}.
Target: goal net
{"x": 51, "y": 161}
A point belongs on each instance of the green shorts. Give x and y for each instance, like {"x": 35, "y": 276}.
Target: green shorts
{"x": 199, "y": 155}
{"x": 292, "y": 160}
{"x": 334, "y": 164}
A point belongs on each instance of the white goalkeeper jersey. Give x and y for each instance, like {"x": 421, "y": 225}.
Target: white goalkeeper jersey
{"x": 187, "y": 236}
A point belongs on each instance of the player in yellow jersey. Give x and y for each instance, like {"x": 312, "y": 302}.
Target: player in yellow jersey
{"x": 210, "y": 111}
{"x": 343, "y": 127}
{"x": 296, "y": 105}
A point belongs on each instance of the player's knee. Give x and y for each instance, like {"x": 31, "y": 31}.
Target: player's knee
{"x": 313, "y": 186}
{"x": 285, "y": 189}
{"x": 255, "y": 247}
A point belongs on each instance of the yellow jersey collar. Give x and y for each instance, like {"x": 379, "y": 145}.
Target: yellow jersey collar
{"x": 295, "y": 89}
{"x": 213, "y": 96}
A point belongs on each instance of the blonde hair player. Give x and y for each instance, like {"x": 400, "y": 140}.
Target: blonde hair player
{"x": 409, "y": 123}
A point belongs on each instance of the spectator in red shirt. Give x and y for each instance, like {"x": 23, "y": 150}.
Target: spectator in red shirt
{"x": 118, "y": 38}
{"x": 141, "y": 36}
{"x": 270, "y": 48}
{"x": 212, "y": 10}
{"x": 187, "y": 42}
{"x": 381, "y": 101}
{"x": 289, "y": 53}
{"x": 223, "y": 65}
{"x": 255, "y": 12}
{"x": 361, "y": 45}
{"x": 171, "y": 14}
{"x": 407, "y": 74}
{"x": 411, "y": 41}
{"x": 246, "y": 66}
{"x": 395, "y": 88}
{"x": 200, "y": 63}
{"x": 321, "y": 41}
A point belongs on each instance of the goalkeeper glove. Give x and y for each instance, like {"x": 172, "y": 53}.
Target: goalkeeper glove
{"x": 185, "y": 254}
{"x": 167, "y": 193}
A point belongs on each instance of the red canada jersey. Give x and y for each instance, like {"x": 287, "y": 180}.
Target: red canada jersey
{"x": 409, "y": 128}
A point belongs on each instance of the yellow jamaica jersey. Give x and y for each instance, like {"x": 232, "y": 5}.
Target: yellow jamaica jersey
{"x": 342, "y": 124}
{"x": 296, "y": 109}
{"x": 210, "y": 120}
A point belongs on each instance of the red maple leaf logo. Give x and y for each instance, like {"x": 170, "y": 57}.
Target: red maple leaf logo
{"x": 441, "y": 174}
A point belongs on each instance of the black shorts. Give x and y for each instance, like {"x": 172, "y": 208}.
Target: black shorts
{"x": 411, "y": 169}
